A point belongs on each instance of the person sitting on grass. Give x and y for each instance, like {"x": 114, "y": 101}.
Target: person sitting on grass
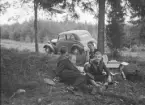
{"x": 69, "y": 74}
{"x": 97, "y": 69}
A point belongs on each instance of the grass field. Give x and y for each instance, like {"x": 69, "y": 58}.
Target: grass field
{"x": 140, "y": 54}
{"x": 31, "y": 47}
{"x": 24, "y": 69}
{"x": 21, "y": 45}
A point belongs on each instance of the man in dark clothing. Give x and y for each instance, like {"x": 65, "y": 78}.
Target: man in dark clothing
{"x": 98, "y": 69}
{"x": 70, "y": 74}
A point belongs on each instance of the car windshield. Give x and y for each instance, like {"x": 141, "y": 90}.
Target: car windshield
{"x": 85, "y": 36}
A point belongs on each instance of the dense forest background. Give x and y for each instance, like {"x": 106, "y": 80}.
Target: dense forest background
{"x": 48, "y": 30}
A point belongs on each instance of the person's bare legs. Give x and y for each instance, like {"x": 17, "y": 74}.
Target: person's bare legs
{"x": 98, "y": 87}
{"x": 94, "y": 83}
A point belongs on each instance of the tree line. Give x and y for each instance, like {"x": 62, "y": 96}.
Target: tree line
{"x": 47, "y": 30}
{"x": 115, "y": 7}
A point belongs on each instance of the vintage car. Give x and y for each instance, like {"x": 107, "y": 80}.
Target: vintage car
{"x": 74, "y": 39}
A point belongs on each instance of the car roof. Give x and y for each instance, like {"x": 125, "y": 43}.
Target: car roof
{"x": 77, "y": 32}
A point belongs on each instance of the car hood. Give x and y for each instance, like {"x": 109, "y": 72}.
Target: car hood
{"x": 54, "y": 40}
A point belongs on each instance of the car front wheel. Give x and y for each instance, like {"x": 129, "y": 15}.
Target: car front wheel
{"x": 49, "y": 50}
{"x": 75, "y": 50}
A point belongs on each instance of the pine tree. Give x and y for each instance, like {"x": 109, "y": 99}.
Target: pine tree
{"x": 115, "y": 24}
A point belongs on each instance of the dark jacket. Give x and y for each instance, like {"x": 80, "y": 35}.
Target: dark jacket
{"x": 97, "y": 69}
{"x": 92, "y": 53}
{"x": 69, "y": 73}
{"x": 65, "y": 64}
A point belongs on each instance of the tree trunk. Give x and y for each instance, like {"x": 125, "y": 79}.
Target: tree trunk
{"x": 35, "y": 25}
{"x": 101, "y": 23}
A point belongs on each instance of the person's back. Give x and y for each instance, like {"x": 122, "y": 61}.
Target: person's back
{"x": 63, "y": 54}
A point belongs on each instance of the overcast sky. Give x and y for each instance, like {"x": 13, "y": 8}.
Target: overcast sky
{"x": 18, "y": 13}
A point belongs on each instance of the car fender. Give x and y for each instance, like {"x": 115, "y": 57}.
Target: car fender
{"x": 54, "y": 41}
{"x": 81, "y": 48}
{"x": 49, "y": 46}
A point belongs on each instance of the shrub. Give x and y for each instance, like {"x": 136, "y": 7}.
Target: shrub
{"x": 4, "y": 34}
{"x": 143, "y": 49}
{"x": 129, "y": 59}
{"x": 115, "y": 54}
{"x": 134, "y": 48}
{"x": 125, "y": 49}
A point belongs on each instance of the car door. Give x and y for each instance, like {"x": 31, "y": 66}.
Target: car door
{"x": 71, "y": 40}
{"x": 61, "y": 41}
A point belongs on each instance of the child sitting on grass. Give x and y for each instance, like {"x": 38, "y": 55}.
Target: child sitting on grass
{"x": 96, "y": 68}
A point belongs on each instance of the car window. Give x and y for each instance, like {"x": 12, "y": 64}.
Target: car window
{"x": 68, "y": 36}
{"x": 72, "y": 37}
{"x": 62, "y": 37}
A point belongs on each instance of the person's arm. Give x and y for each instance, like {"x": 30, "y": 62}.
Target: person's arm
{"x": 59, "y": 69}
{"x": 61, "y": 65}
{"x": 94, "y": 83}
{"x": 105, "y": 69}
{"x": 109, "y": 79}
